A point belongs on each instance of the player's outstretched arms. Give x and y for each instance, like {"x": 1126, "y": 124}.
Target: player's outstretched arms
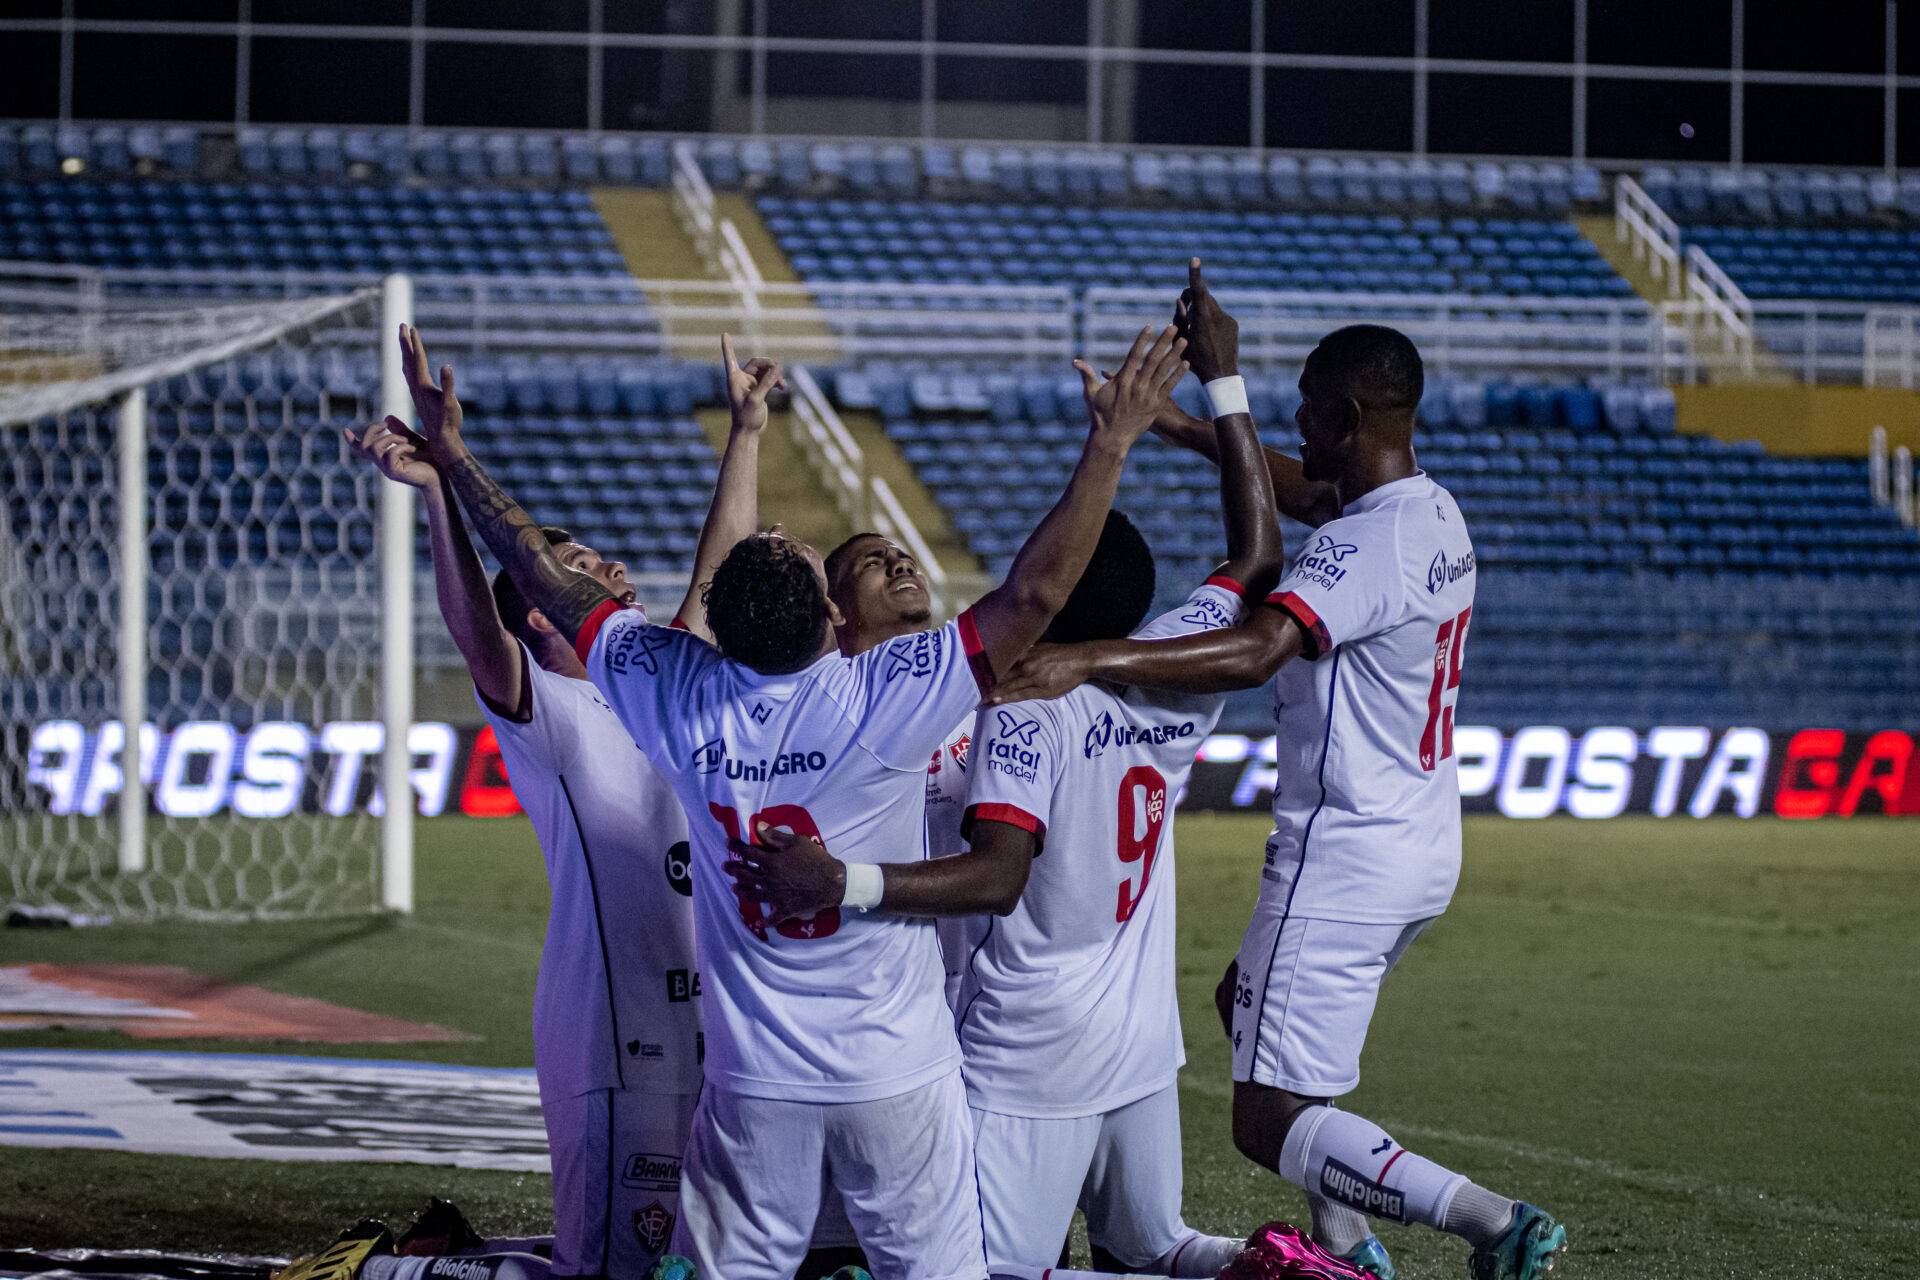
{"x": 735, "y": 512}
{"x": 1213, "y": 350}
{"x": 796, "y": 876}
{"x": 1013, "y": 615}
{"x": 459, "y": 580}
{"x": 1220, "y": 661}
{"x": 567, "y": 596}
{"x": 1254, "y": 554}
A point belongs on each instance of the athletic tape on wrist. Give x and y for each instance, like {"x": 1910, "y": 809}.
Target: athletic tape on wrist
{"x": 864, "y": 886}
{"x": 1228, "y": 395}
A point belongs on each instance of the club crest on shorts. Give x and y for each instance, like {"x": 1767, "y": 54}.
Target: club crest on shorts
{"x": 653, "y": 1226}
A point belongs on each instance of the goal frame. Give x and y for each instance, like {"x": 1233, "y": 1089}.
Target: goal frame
{"x": 396, "y": 554}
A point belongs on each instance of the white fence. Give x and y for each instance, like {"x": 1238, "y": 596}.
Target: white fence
{"x": 1682, "y": 340}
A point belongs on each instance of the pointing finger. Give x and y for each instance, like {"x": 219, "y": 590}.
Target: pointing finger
{"x": 727, "y": 364}
{"x": 1194, "y": 282}
{"x": 446, "y": 384}
{"x": 1138, "y": 351}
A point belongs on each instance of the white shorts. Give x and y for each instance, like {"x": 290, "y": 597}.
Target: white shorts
{"x": 1121, "y": 1168}
{"x": 757, "y": 1169}
{"x": 616, "y": 1179}
{"x": 1305, "y": 994}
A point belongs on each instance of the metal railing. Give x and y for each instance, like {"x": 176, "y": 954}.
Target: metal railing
{"x": 1649, "y": 233}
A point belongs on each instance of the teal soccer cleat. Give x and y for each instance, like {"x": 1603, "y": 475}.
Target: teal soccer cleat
{"x": 674, "y": 1267}
{"x": 1371, "y": 1255}
{"x": 1527, "y": 1249}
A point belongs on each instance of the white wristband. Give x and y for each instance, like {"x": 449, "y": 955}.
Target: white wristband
{"x": 864, "y": 886}
{"x": 1228, "y": 395}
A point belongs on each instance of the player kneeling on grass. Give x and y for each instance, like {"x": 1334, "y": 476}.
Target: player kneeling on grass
{"x": 1068, "y": 1017}
{"x": 1366, "y": 635}
{"x": 615, "y": 1025}
{"x": 830, "y": 1051}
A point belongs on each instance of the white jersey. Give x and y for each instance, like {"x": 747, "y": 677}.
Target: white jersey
{"x": 614, "y": 1005}
{"x": 947, "y": 775}
{"x": 1067, "y": 1006}
{"x": 840, "y": 1007}
{"x": 1366, "y": 813}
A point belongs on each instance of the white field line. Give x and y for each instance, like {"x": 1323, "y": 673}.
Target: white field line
{"x": 1750, "y": 1197}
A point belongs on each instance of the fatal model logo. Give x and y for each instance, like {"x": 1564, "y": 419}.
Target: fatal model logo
{"x": 916, "y": 655}
{"x": 1106, "y": 733}
{"x": 1322, "y": 560}
{"x": 1013, "y": 752}
{"x": 1444, "y": 572}
{"x": 634, "y": 645}
{"x": 711, "y": 757}
{"x": 1207, "y": 613}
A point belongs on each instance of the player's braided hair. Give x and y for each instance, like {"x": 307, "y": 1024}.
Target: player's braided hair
{"x": 765, "y": 605}
{"x": 507, "y": 600}
{"x": 1114, "y": 593}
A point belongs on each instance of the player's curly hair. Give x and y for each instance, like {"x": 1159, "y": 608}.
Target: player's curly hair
{"x": 766, "y": 607}
{"x": 1115, "y": 592}
{"x": 510, "y": 604}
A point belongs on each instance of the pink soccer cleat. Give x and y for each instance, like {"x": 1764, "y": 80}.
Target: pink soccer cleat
{"x": 1280, "y": 1252}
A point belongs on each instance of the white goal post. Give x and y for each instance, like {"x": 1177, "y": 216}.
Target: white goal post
{"x": 174, "y": 479}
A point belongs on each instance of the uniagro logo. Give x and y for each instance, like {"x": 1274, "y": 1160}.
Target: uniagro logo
{"x": 1106, "y": 733}
{"x": 711, "y": 757}
{"x": 1444, "y": 572}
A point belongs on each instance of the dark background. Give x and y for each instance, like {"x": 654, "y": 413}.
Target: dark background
{"x": 362, "y": 76}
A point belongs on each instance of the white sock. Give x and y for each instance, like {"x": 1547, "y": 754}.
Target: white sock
{"x": 1336, "y": 1228}
{"x": 1352, "y": 1161}
{"x": 1197, "y": 1255}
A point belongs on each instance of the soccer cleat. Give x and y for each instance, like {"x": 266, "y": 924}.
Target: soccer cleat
{"x": 850, "y": 1273}
{"x": 1371, "y": 1256}
{"x": 1281, "y": 1252}
{"x": 441, "y": 1229}
{"x": 674, "y": 1267}
{"x": 1525, "y": 1251}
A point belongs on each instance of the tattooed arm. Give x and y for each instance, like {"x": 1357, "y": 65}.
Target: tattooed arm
{"x": 565, "y": 595}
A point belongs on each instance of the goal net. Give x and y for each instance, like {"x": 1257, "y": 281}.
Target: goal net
{"x": 188, "y": 549}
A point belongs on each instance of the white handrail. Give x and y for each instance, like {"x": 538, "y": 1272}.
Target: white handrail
{"x": 1650, "y": 232}
{"x": 835, "y": 454}
{"x": 692, "y": 195}
{"x": 1879, "y": 485}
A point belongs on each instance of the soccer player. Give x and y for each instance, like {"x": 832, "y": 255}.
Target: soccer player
{"x": 1366, "y": 636}
{"x": 615, "y": 1018}
{"x": 1068, "y": 1018}
{"x": 830, "y": 1054}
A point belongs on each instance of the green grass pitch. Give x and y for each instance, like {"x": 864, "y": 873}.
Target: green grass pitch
{"x": 1695, "y": 1042}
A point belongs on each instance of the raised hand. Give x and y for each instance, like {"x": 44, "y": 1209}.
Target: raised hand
{"x": 397, "y": 450}
{"x": 1046, "y": 671}
{"x": 437, "y": 406}
{"x": 1126, "y": 404}
{"x": 1213, "y": 336}
{"x": 793, "y": 875}
{"x": 748, "y": 385}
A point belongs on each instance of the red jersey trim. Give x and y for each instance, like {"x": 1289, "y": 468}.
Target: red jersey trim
{"x": 1309, "y": 620}
{"x": 1011, "y": 814}
{"x": 1225, "y": 583}
{"x": 976, "y": 653}
{"x": 678, "y": 624}
{"x": 590, "y": 629}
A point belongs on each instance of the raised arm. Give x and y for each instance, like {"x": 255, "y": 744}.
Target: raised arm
{"x": 796, "y": 876}
{"x": 459, "y": 581}
{"x": 735, "y": 511}
{"x": 1219, "y": 661}
{"x": 1254, "y": 555}
{"x": 567, "y": 596}
{"x": 1013, "y": 615}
